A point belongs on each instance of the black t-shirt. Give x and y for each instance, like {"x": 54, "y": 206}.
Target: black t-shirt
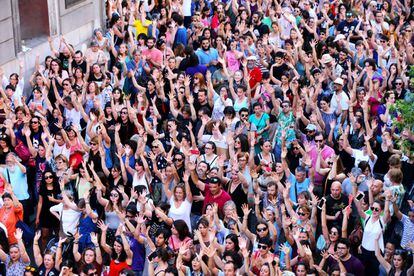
{"x": 64, "y": 60}
{"x": 335, "y": 205}
{"x": 381, "y": 167}
{"x": 278, "y": 71}
{"x": 197, "y": 206}
{"x": 81, "y": 66}
{"x": 126, "y": 131}
{"x": 345, "y": 28}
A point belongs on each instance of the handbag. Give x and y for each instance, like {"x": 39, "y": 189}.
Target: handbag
{"x": 22, "y": 151}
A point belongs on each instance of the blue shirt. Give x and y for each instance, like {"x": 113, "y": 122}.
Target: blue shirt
{"x": 206, "y": 57}
{"x": 180, "y": 37}
{"x": 296, "y": 188}
{"x": 18, "y": 181}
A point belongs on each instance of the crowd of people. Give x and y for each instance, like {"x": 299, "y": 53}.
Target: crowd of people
{"x": 247, "y": 137}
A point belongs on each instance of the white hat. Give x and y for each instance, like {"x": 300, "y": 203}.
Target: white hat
{"x": 252, "y": 58}
{"x": 339, "y": 81}
{"x": 311, "y": 127}
{"x": 339, "y": 37}
{"x": 326, "y": 58}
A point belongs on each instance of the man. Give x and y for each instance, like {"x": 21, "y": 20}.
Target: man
{"x": 181, "y": 33}
{"x": 352, "y": 264}
{"x": 255, "y": 73}
{"x": 326, "y": 153}
{"x": 347, "y": 26}
{"x": 408, "y": 225}
{"x": 335, "y": 202}
{"x": 339, "y": 98}
{"x": 331, "y": 69}
{"x": 207, "y": 55}
{"x": 152, "y": 54}
{"x": 15, "y": 173}
{"x": 141, "y": 70}
{"x": 78, "y": 62}
{"x": 379, "y": 24}
{"x": 259, "y": 28}
{"x": 213, "y": 193}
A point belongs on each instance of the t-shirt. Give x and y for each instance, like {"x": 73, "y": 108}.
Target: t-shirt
{"x": 353, "y": 265}
{"x": 297, "y": 187}
{"x": 18, "y": 181}
{"x": 220, "y": 200}
{"x": 408, "y": 231}
{"x": 371, "y": 231}
{"x": 359, "y": 156}
{"x": 334, "y": 205}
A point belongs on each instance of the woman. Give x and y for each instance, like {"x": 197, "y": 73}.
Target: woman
{"x": 67, "y": 212}
{"x": 199, "y": 83}
{"x": 117, "y": 102}
{"x": 161, "y": 260}
{"x": 260, "y": 120}
{"x": 265, "y": 160}
{"x": 57, "y": 73}
{"x": 399, "y": 261}
{"x": 90, "y": 255}
{"x": 374, "y": 225}
{"x": 331, "y": 237}
{"x": 241, "y": 98}
{"x": 114, "y": 207}
{"x": 17, "y": 259}
{"x": 210, "y": 156}
{"x": 10, "y": 213}
{"x": 180, "y": 200}
{"x": 180, "y": 235}
{"x": 232, "y": 57}
{"x": 262, "y": 254}
{"x": 385, "y": 113}
{"x": 46, "y": 263}
{"x": 120, "y": 252}
{"x": 237, "y": 186}
{"x": 48, "y": 197}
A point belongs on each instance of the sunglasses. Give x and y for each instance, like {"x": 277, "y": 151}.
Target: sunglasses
{"x": 333, "y": 233}
{"x": 398, "y": 83}
{"x": 30, "y": 269}
{"x": 93, "y": 144}
{"x": 301, "y": 214}
{"x": 261, "y": 229}
{"x": 48, "y": 177}
{"x": 318, "y": 141}
{"x": 262, "y": 246}
{"x": 154, "y": 146}
{"x": 34, "y": 122}
{"x": 376, "y": 209}
{"x": 124, "y": 112}
{"x": 178, "y": 159}
{"x": 114, "y": 195}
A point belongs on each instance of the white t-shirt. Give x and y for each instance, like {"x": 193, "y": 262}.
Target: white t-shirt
{"x": 360, "y": 156}
{"x": 371, "y": 231}
{"x": 69, "y": 218}
{"x": 344, "y": 101}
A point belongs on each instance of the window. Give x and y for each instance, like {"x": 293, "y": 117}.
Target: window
{"x": 34, "y": 22}
{"x": 71, "y": 3}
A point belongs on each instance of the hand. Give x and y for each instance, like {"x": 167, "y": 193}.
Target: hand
{"x": 94, "y": 238}
{"x": 37, "y": 235}
{"x": 246, "y": 210}
{"x": 101, "y": 225}
{"x": 18, "y": 234}
{"x": 285, "y": 249}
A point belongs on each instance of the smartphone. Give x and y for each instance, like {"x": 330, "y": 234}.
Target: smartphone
{"x": 321, "y": 203}
{"x": 360, "y": 196}
{"x": 152, "y": 255}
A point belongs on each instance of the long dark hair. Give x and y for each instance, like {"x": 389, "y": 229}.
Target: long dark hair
{"x": 123, "y": 256}
{"x": 182, "y": 229}
{"x": 4, "y": 242}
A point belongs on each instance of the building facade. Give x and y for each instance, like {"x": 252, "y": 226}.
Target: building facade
{"x": 26, "y": 24}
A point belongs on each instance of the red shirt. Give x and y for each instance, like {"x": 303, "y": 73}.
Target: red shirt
{"x": 255, "y": 77}
{"x": 220, "y": 199}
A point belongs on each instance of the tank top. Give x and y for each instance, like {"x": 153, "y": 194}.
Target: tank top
{"x": 112, "y": 219}
{"x": 116, "y": 268}
{"x": 139, "y": 181}
{"x": 239, "y": 105}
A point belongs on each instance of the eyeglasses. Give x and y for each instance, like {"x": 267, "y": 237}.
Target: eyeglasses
{"x": 66, "y": 84}
{"x": 48, "y": 176}
{"x": 301, "y": 214}
{"x": 318, "y": 141}
{"x": 342, "y": 248}
{"x": 154, "y": 146}
{"x": 114, "y": 195}
{"x": 398, "y": 83}
{"x": 178, "y": 159}
{"x": 262, "y": 246}
{"x": 376, "y": 209}
{"x": 261, "y": 229}
{"x": 92, "y": 144}
{"x": 244, "y": 115}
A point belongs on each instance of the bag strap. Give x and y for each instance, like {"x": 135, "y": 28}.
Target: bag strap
{"x": 8, "y": 176}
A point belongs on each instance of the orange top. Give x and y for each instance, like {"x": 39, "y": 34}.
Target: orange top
{"x": 9, "y": 217}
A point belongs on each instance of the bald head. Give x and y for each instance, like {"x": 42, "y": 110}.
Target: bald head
{"x": 336, "y": 189}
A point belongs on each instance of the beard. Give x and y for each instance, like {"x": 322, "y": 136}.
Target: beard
{"x": 206, "y": 48}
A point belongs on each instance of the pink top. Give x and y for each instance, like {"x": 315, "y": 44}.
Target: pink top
{"x": 233, "y": 63}
{"x": 154, "y": 55}
{"x": 326, "y": 153}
